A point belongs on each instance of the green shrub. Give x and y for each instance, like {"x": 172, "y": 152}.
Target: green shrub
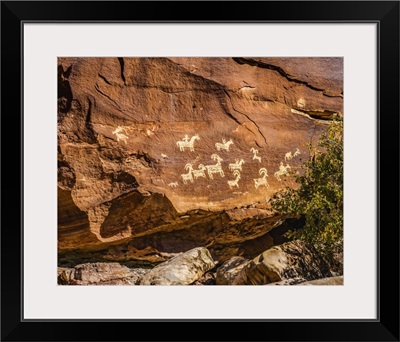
{"x": 319, "y": 194}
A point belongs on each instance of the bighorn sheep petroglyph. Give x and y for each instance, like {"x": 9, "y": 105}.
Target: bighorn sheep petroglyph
{"x": 263, "y": 180}
{"x": 188, "y": 176}
{"x": 297, "y": 152}
{"x": 234, "y": 182}
{"x": 215, "y": 168}
{"x": 255, "y": 154}
{"x": 288, "y": 155}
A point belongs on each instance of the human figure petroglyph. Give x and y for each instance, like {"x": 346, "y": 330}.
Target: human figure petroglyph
{"x": 284, "y": 168}
{"x": 234, "y": 182}
{"x": 263, "y": 180}
{"x": 120, "y": 136}
{"x": 237, "y": 165}
{"x": 187, "y": 143}
{"x": 282, "y": 171}
{"x": 297, "y": 152}
{"x": 187, "y": 176}
{"x": 199, "y": 172}
{"x": 215, "y": 168}
{"x": 288, "y": 155}
{"x": 173, "y": 185}
{"x": 255, "y": 154}
{"x": 224, "y": 145}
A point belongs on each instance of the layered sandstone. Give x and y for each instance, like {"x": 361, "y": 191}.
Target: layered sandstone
{"x": 160, "y": 155}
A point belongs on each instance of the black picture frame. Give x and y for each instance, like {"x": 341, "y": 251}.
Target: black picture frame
{"x": 384, "y": 13}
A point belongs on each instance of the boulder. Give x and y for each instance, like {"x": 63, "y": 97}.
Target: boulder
{"x": 294, "y": 259}
{"x": 293, "y": 281}
{"x": 183, "y": 269}
{"x": 100, "y": 274}
{"x": 207, "y": 279}
{"x": 62, "y": 269}
{"x": 228, "y": 271}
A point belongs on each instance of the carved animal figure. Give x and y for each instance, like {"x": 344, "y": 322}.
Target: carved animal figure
{"x": 215, "y": 168}
{"x": 263, "y": 180}
{"x": 199, "y": 172}
{"x": 237, "y": 165}
{"x": 284, "y": 168}
{"x": 296, "y": 153}
{"x": 120, "y": 136}
{"x": 224, "y": 146}
{"x": 235, "y": 182}
{"x": 187, "y": 143}
{"x": 255, "y": 156}
{"x": 188, "y": 176}
{"x": 216, "y": 157}
{"x": 173, "y": 185}
{"x": 288, "y": 155}
{"x": 282, "y": 171}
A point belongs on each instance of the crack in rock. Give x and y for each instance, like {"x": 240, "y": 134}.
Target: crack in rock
{"x": 258, "y": 128}
{"x": 280, "y": 71}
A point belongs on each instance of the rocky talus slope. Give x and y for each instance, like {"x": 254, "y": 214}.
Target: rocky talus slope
{"x": 292, "y": 263}
{"x": 159, "y": 156}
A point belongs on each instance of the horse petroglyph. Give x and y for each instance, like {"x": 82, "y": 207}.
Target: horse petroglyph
{"x": 255, "y": 154}
{"x": 282, "y": 171}
{"x": 187, "y": 176}
{"x": 263, "y": 180}
{"x": 224, "y": 145}
{"x": 215, "y": 168}
{"x": 237, "y": 165}
{"x": 186, "y": 142}
{"x": 173, "y": 185}
{"x": 235, "y": 182}
{"x": 297, "y": 152}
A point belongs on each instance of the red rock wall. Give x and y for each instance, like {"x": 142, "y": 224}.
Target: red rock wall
{"x": 120, "y": 121}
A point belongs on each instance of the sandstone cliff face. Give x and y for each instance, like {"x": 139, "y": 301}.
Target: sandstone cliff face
{"x": 160, "y": 155}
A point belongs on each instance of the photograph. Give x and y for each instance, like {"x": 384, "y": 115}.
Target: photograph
{"x": 200, "y": 171}
{"x": 213, "y": 163}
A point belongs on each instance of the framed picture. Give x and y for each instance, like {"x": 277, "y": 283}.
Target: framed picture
{"x": 235, "y": 146}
